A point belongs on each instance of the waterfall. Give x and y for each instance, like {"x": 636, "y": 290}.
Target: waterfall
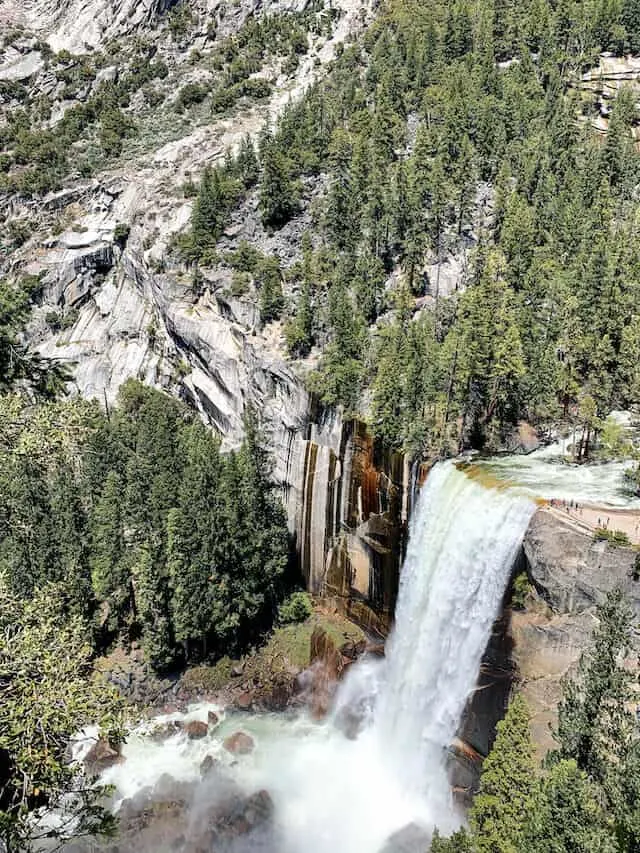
{"x": 463, "y": 541}
{"x": 337, "y": 794}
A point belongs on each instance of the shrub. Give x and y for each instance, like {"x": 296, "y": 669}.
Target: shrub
{"x": 192, "y": 93}
{"x": 613, "y": 537}
{"x": 521, "y": 587}
{"x": 121, "y": 233}
{"x": 296, "y": 608}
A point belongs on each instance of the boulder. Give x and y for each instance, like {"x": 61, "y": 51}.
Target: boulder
{"x": 163, "y": 731}
{"x": 244, "y": 701}
{"x": 277, "y": 698}
{"x": 196, "y": 729}
{"x": 571, "y": 570}
{"x": 239, "y": 743}
{"x": 212, "y": 718}
{"x": 241, "y": 816}
{"x": 258, "y": 808}
{"x": 320, "y": 680}
{"x": 101, "y": 756}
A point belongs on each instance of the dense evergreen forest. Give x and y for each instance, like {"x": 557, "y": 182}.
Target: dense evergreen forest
{"x": 152, "y": 531}
{"x": 457, "y": 125}
{"x": 118, "y": 526}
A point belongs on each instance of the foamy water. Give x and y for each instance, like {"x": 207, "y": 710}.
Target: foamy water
{"x": 546, "y": 473}
{"x": 333, "y": 794}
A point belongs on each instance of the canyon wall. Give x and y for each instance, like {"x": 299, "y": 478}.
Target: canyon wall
{"x": 348, "y": 514}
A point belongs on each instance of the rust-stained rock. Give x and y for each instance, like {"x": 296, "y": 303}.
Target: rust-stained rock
{"x": 196, "y": 729}
{"x": 327, "y": 665}
{"x": 245, "y": 700}
{"x": 239, "y": 743}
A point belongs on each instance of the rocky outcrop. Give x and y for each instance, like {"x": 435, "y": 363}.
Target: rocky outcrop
{"x": 78, "y": 25}
{"x": 196, "y": 729}
{"x": 571, "y": 570}
{"x": 120, "y": 310}
{"x": 239, "y": 743}
{"x": 213, "y": 815}
{"x": 330, "y": 655}
{"x": 571, "y": 574}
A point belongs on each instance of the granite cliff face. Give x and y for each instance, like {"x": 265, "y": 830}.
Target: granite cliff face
{"x": 537, "y": 646}
{"x": 571, "y": 574}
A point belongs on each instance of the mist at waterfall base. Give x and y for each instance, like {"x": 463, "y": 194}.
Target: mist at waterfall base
{"x": 335, "y": 794}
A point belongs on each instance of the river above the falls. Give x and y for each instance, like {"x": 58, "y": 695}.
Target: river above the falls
{"x": 547, "y": 473}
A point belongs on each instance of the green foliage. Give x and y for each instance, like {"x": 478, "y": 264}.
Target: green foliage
{"x": 157, "y": 534}
{"x": 180, "y": 20}
{"x": 270, "y": 282}
{"x": 210, "y": 210}
{"x": 36, "y": 158}
{"x": 546, "y": 325}
{"x": 614, "y": 537}
{"x": 506, "y": 794}
{"x": 521, "y": 588}
{"x": 296, "y": 608}
{"x": 567, "y": 815}
{"x": 613, "y": 442}
{"x": 279, "y": 192}
{"x": 47, "y": 696}
{"x": 192, "y": 93}
{"x": 459, "y": 842}
{"x": 592, "y": 717}
{"x": 17, "y": 363}
{"x": 587, "y": 796}
{"x": 121, "y": 233}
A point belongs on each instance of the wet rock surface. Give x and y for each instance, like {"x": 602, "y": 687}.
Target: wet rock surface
{"x": 239, "y": 743}
{"x": 213, "y": 815}
{"x": 571, "y": 574}
{"x": 196, "y": 729}
{"x": 101, "y": 756}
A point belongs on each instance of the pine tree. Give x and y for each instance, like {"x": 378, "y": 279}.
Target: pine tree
{"x": 507, "y": 784}
{"x": 279, "y": 194}
{"x": 567, "y": 816}
{"x": 248, "y": 166}
{"x": 271, "y": 297}
{"x": 209, "y": 212}
{"x": 150, "y": 598}
{"x": 630, "y": 20}
{"x": 195, "y": 541}
{"x": 594, "y": 724}
{"x": 109, "y": 573}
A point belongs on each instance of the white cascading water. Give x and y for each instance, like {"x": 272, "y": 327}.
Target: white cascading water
{"x": 463, "y": 544}
{"x": 335, "y": 795}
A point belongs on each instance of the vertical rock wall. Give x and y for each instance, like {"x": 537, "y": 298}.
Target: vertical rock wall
{"x": 349, "y": 517}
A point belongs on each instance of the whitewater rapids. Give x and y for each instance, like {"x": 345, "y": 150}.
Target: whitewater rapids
{"x": 336, "y": 795}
